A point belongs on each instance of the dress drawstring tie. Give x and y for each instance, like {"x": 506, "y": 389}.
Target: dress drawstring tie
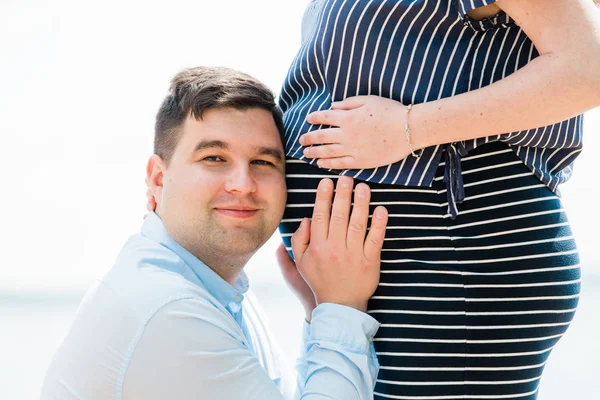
{"x": 453, "y": 176}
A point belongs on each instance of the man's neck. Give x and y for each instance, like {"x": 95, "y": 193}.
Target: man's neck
{"x": 228, "y": 268}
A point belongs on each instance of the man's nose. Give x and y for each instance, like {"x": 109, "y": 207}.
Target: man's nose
{"x": 240, "y": 180}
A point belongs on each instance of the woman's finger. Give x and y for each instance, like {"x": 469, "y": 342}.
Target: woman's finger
{"x": 324, "y": 151}
{"x": 321, "y": 136}
{"x": 349, "y": 103}
{"x": 344, "y": 162}
{"x": 326, "y": 117}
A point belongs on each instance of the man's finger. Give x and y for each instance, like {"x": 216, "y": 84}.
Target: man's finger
{"x": 340, "y": 211}
{"x": 319, "y": 226}
{"x": 327, "y": 117}
{"x": 357, "y": 228}
{"x": 286, "y": 264}
{"x": 349, "y": 103}
{"x": 151, "y": 202}
{"x": 300, "y": 241}
{"x": 321, "y": 136}
{"x": 374, "y": 240}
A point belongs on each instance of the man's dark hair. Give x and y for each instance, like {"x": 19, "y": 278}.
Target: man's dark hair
{"x": 196, "y": 90}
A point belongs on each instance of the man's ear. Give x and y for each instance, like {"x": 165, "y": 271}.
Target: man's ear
{"x": 155, "y": 172}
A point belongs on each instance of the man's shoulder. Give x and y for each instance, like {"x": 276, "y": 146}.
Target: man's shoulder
{"x": 147, "y": 280}
{"x": 147, "y": 276}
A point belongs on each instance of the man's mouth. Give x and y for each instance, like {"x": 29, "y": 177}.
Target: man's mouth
{"x": 237, "y": 211}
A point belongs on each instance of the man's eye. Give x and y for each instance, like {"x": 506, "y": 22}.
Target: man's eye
{"x": 213, "y": 159}
{"x": 262, "y": 162}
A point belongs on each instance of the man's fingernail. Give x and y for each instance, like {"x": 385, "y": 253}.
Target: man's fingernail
{"x": 345, "y": 181}
{"x": 360, "y": 192}
{"x": 324, "y": 186}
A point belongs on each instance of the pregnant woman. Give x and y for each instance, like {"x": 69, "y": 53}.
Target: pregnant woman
{"x": 464, "y": 117}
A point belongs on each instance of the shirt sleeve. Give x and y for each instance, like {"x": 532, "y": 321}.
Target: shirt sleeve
{"x": 339, "y": 348}
{"x": 562, "y": 135}
{"x": 191, "y": 350}
{"x": 301, "y": 364}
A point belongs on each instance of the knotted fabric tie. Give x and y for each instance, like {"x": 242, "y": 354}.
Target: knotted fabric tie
{"x": 455, "y": 190}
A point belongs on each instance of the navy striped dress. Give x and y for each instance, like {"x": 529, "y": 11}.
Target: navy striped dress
{"x": 480, "y": 271}
{"x": 416, "y": 51}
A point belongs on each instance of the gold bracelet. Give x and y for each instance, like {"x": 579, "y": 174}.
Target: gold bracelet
{"x": 407, "y": 133}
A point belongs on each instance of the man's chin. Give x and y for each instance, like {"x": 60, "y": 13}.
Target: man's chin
{"x": 238, "y": 240}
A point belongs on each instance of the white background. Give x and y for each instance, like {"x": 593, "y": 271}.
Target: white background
{"x": 80, "y": 83}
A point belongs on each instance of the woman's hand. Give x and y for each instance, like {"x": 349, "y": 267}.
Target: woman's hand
{"x": 367, "y": 132}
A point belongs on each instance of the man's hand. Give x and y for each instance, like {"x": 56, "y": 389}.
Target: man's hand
{"x": 151, "y": 201}
{"x": 296, "y": 282}
{"x": 333, "y": 255}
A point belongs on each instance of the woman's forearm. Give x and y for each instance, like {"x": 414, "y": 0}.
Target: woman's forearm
{"x": 551, "y": 88}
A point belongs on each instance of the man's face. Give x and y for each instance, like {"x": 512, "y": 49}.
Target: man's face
{"x": 223, "y": 193}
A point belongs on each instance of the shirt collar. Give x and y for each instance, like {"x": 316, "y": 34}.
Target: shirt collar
{"x": 154, "y": 229}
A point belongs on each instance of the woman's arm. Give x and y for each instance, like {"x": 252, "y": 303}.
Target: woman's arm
{"x": 562, "y": 82}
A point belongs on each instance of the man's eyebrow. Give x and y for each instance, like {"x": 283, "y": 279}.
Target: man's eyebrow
{"x": 270, "y": 151}
{"x": 261, "y": 150}
{"x": 209, "y": 144}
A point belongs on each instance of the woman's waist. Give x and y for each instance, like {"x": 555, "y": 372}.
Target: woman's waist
{"x": 428, "y": 169}
{"x": 489, "y": 172}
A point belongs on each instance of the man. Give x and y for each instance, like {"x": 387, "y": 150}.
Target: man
{"x": 173, "y": 319}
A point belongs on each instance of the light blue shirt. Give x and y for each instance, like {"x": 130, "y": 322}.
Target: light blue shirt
{"x": 163, "y": 325}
